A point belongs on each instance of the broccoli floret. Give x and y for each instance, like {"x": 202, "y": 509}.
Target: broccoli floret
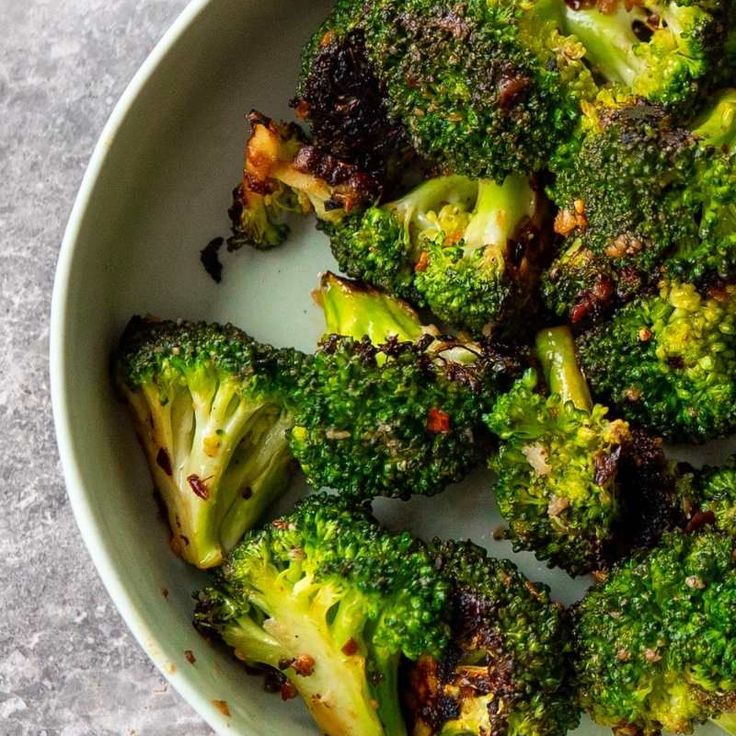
{"x": 659, "y": 50}
{"x": 640, "y": 198}
{"x": 284, "y": 173}
{"x": 485, "y": 89}
{"x": 711, "y": 496}
{"x": 334, "y": 602}
{"x": 668, "y": 361}
{"x": 576, "y": 487}
{"x": 468, "y": 249}
{"x": 506, "y": 669}
{"x": 391, "y": 419}
{"x": 211, "y": 409}
{"x": 343, "y": 101}
{"x": 655, "y": 642}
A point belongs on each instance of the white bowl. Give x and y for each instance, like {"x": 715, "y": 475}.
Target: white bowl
{"x": 155, "y": 193}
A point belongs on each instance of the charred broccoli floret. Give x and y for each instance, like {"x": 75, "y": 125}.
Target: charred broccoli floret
{"x": 711, "y": 496}
{"x": 668, "y": 361}
{"x": 639, "y": 198}
{"x": 468, "y": 249}
{"x": 485, "y": 89}
{"x": 333, "y": 602}
{"x": 659, "y": 50}
{"x": 393, "y": 419}
{"x": 343, "y": 101}
{"x": 655, "y": 642}
{"x": 284, "y": 173}
{"x": 576, "y": 487}
{"x": 211, "y": 410}
{"x": 506, "y": 668}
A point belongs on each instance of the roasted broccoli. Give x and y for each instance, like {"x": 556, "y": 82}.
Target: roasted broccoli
{"x": 576, "y": 487}
{"x": 211, "y": 408}
{"x": 640, "y": 198}
{"x": 668, "y": 361}
{"x": 485, "y": 89}
{"x": 506, "y": 668}
{"x": 333, "y": 602}
{"x": 469, "y": 250}
{"x": 659, "y": 50}
{"x": 285, "y": 173}
{"x": 391, "y": 419}
{"x": 656, "y": 642}
{"x": 710, "y": 494}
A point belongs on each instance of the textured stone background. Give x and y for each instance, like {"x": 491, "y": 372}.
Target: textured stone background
{"x": 68, "y": 666}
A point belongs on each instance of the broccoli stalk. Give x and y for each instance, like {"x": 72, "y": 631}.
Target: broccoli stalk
{"x": 333, "y": 602}
{"x": 727, "y": 722}
{"x": 212, "y": 419}
{"x": 555, "y": 349}
{"x": 716, "y": 126}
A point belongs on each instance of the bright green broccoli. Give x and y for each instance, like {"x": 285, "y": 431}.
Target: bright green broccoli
{"x": 656, "y": 642}
{"x": 711, "y": 496}
{"x": 576, "y": 487}
{"x": 469, "y": 250}
{"x": 211, "y": 409}
{"x": 506, "y": 669}
{"x": 668, "y": 361}
{"x": 334, "y": 603}
{"x": 659, "y": 50}
{"x": 485, "y": 89}
{"x": 639, "y": 198}
{"x": 391, "y": 419}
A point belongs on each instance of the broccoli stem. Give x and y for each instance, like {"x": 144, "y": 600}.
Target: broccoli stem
{"x": 609, "y": 40}
{"x": 499, "y": 211}
{"x": 354, "y": 309}
{"x": 717, "y": 125}
{"x": 727, "y": 722}
{"x": 555, "y": 349}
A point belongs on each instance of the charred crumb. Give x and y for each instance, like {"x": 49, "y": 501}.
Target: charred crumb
{"x": 210, "y": 259}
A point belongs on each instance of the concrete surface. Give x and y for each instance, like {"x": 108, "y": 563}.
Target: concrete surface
{"x": 68, "y": 666}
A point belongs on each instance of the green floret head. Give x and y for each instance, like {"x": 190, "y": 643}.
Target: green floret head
{"x": 390, "y": 420}
{"x": 380, "y": 246}
{"x": 484, "y": 88}
{"x": 333, "y": 602}
{"x": 662, "y": 51}
{"x": 711, "y": 496}
{"x": 506, "y": 669}
{"x": 211, "y": 410}
{"x": 675, "y": 361}
{"x": 656, "y": 642}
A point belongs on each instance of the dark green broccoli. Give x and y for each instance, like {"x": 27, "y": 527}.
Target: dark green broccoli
{"x": 392, "y": 419}
{"x": 469, "y": 250}
{"x": 283, "y": 174}
{"x": 506, "y": 669}
{"x": 711, "y": 496}
{"x": 211, "y": 409}
{"x": 639, "y": 198}
{"x": 659, "y": 50}
{"x": 576, "y": 487}
{"x": 668, "y": 361}
{"x": 656, "y": 642}
{"x": 332, "y": 602}
{"x": 484, "y": 89}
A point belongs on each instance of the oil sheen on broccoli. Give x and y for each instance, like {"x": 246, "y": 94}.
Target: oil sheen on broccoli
{"x": 668, "y": 361}
{"x": 655, "y": 641}
{"x": 640, "y": 198}
{"x": 469, "y": 250}
{"x": 506, "y": 670}
{"x": 334, "y": 603}
{"x": 577, "y": 488}
{"x": 211, "y": 410}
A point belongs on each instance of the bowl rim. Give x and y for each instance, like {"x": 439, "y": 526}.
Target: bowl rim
{"x": 60, "y": 400}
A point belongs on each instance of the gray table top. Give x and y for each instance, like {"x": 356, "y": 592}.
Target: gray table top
{"x": 68, "y": 665}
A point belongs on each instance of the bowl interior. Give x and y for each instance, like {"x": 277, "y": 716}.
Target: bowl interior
{"x": 160, "y": 195}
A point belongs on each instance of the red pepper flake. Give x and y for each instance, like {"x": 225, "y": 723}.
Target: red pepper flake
{"x": 350, "y": 647}
{"x": 438, "y": 421}
{"x": 701, "y": 518}
{"x": 222, "y": 706}
{"x": 303, "y": 665}
{"x": 288, "y": 691}
{"x": 189, "y": 656}
{"x": 198, "y": 486}
{"x": 164, "y": 462}
{"x": 423, "y": 261}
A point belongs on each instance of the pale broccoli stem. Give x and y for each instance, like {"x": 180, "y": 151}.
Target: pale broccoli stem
{"x": 555, "y": 349}
{"x": 717, "y": 125}
{"x": 727, "y": 722}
